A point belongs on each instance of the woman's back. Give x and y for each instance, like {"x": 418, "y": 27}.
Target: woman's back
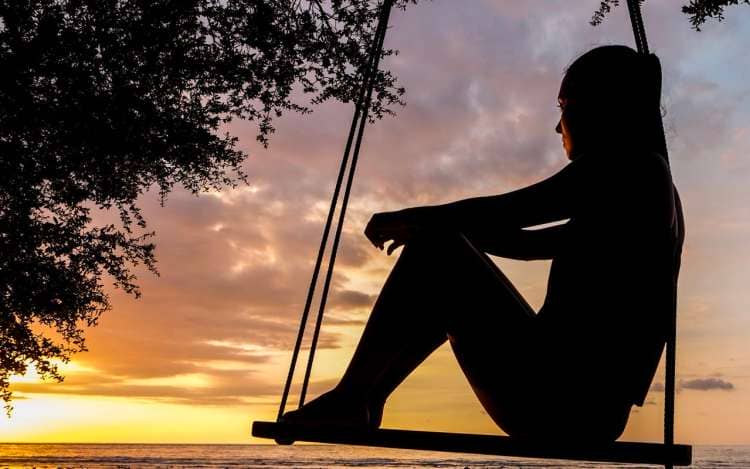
{"x": 612, "y": 285}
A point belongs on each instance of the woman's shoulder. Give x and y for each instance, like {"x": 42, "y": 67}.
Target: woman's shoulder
{"x": 652, "y": 170}
{"x": 631, "y": 165}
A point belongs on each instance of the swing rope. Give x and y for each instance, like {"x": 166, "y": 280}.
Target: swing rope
{"x": 636, "y": 21}
{"x": 639, "y": 32}
{"x": 359, "y": 121}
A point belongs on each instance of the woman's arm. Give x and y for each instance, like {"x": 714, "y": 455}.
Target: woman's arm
{"x": 553, "y": 199}
{"x": 556, "y": 198}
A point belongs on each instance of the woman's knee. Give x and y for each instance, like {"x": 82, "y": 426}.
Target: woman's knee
{"x": 444, "y": 243}
{"x": 449, "y": 256}
{"x": 436, "y": 237}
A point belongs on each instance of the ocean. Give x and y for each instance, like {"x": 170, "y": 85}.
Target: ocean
{"x": 152, "y": 456}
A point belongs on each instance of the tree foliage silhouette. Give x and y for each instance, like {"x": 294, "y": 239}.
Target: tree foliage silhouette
{"x": 101, "y": 100}
{"x": 698, "y": 11}
{"x": 701, "y": 10}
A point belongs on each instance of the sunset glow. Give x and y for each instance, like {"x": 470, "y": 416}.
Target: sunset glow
{"x": 205, "y": 351}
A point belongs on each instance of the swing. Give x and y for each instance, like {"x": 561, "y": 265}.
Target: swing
{"x": 667, "y": 453}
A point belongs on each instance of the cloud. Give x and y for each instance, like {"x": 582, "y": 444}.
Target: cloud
{"x": 228, "y": 387}
{"x": 698, "y": 384}
{"x": 707, "y": 384}
{"x": 353, "y": 299}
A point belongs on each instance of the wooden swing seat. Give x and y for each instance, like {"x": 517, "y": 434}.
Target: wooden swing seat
{"x": 617, "y": 452}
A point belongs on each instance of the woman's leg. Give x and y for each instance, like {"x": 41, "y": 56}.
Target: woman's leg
{"x": 441, "y": 287}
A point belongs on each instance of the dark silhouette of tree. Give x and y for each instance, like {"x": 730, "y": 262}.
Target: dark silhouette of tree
{"x": 699, "y": 11}
{"x": 101, "y": 100}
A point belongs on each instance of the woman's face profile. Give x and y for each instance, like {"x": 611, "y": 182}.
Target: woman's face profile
{"x": 563, "y": 128}
{"x": 571, "y": 126}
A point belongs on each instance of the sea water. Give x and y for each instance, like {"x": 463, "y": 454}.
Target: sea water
{"x": 151, "y": 456}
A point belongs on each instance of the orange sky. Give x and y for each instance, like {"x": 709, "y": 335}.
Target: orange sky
{"x": 206, "y": 349}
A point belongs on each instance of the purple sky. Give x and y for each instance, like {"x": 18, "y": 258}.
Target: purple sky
{"x": 215, "y": 330}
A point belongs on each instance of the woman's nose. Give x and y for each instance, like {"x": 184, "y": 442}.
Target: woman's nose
{"x": 558, "y": 127}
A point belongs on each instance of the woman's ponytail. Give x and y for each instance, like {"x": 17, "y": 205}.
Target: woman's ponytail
{"x": 652, "y": 81}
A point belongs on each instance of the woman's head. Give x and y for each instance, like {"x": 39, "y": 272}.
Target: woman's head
{"x": 610, "y": 96}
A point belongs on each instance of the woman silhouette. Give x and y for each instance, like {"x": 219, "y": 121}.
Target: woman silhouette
{"x": 575, "y": 368}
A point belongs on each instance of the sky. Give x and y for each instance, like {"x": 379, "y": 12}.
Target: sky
{"x": 206, "y": 349}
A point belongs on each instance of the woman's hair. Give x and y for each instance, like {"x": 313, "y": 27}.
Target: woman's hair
{"x": 614, "y": 92}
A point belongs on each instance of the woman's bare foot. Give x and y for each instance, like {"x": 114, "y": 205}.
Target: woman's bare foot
{"x": 334, "y": 408}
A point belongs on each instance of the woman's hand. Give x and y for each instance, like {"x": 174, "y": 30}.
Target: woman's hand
{"x": 397, "y": 227}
